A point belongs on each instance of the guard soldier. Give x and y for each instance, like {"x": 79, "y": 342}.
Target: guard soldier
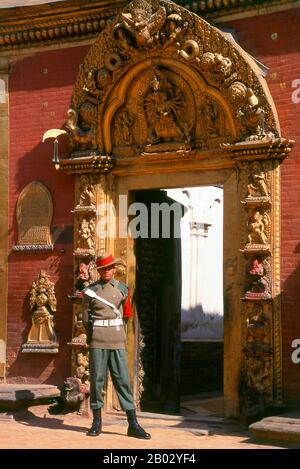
{"x": 106, "y": 304}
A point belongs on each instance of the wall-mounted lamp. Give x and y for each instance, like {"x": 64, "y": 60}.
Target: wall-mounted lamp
{"x": 54, "y": 133}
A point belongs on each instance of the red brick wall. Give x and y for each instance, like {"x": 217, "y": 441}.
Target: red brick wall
{"x": 40, "y": 89}
{"x": 282, "y": 56}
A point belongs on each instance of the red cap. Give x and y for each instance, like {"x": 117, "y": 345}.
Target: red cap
{"x": 106, "y": 260}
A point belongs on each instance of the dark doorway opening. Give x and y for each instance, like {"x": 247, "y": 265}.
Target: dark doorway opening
{"x": 176, "y": 374}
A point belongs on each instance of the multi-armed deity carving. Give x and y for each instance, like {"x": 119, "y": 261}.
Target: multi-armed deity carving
{"x": 42, "y": 336}
{"x": 162, "y": 107}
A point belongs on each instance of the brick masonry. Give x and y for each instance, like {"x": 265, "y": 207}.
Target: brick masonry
{"x": 40, "y": 90}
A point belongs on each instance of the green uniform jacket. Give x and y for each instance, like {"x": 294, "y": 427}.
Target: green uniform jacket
{"x": 111, "y": 337}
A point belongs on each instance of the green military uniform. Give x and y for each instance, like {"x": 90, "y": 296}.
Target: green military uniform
{"x": 107, "y": 342}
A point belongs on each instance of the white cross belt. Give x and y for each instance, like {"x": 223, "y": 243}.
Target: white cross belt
{"x": 107, "y": 322}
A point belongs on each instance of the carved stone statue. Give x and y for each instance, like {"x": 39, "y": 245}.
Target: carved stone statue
{"x": 42, "y": 305}
{"x": 72, "y": 393}
{"x": 162, "y": 108}
{"x": 257, "y": 186}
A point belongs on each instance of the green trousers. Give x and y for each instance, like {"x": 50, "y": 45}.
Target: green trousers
{"x": 116, "y": 362}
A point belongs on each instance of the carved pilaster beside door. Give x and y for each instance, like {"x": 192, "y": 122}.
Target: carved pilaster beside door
{"x": 261, "y": 384}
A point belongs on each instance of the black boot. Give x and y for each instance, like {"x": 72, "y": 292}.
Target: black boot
{"x": 95, "y": 429}
{"x": 134, "y": 428}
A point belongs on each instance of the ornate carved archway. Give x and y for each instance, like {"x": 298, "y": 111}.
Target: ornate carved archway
{"x": 163, "y": 92}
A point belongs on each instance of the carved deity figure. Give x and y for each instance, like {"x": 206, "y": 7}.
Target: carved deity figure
{"x": 260, "y": 284}
{"x": 86, "y": 234}
{"x": 257, "y": 227}
{"x": 162, "y": 113}
{"x": 43, "y": 305}
{"x": 82, "y": 369}
{"x": 257, "y": 326}
{"x": 259, "y": 374}
{"x": 210, "y": 119}
{"x": 251, "y": 113}
{"x": 175, "y": 29}
{"x": 257, "y": 186}
{"x": 143, "y": 23}
{"x": 87, "y": 192}
{"x": 125, "y": 124}
{"x": 82, "y": 277}
{"x": 90, "y": 86}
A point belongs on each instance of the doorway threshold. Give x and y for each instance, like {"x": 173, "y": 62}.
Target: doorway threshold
{"x": 174, "y": 418}
{"x": 203, "y": 405}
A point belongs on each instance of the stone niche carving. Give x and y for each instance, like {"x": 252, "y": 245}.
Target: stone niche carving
{"x": 42, "y": 337}
{"x": 34, "y": 216}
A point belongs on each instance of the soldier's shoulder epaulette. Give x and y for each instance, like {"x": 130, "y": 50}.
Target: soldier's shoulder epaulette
{"x": 123, "y": 288}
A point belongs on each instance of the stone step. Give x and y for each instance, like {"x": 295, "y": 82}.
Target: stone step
{"x": 277, "y": 428}
{"x": 13, "y": 396}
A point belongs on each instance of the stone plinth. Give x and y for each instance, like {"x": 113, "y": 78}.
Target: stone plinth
{"x": 13, "y": 396}
{"x": 277, "y": 428}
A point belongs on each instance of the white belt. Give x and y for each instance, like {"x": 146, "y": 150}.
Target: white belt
{"x": 108, "y": 322}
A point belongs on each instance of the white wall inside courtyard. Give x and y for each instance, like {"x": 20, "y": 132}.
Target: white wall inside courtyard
{"x": 202, "y": 262}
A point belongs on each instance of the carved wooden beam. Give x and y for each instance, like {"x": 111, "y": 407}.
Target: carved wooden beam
{"x": 52, "y": 23}
{"x": 277, "y": 148}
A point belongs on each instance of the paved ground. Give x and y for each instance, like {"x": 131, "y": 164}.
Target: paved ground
{"x": 35, "y": 428}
